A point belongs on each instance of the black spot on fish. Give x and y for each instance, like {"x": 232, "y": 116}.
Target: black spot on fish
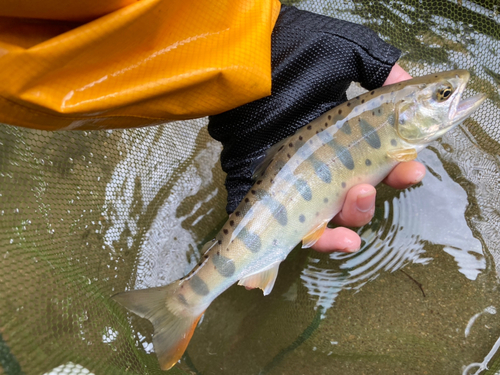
{"x": 362, "y": 101}
{"x": 198, "y": 286}
{"x": 250, "y": 240}
{"x": 348, "y": 104}
{"x": 369, "y": 134}
{"x": 302, "y": 218}
{"x": 252, "y": 191}
{"x": 300, "y": 138}
{"x": 288, "y": 156}
{"x": 225, "y": 231}
{"x": 224, "y": 266}
{"x": 343, "y": 185}
{"x": 372, "y": 92}
{"x": 231, "y": 223}
{"x": 346, "y": 128}
{"x": 219, "y": 242}
{"x": 237, "y": 213}
{"x": 247, "y": 200}
{"x": 326, "y": 124}
{"x": 290, "y": 144}
{"x": 259, "y": 182}
{"x": 205, "y": 256}
{"x": 340, "y": 111}
{"x": 325, "y": 200}
{"x": 309, "y": 127}
{"x": 394, "y": 142}
{"x": 368, "y": 162}
{"x": 329, "y": 117}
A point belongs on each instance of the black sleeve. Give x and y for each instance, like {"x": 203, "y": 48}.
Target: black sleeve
{"x": 314, "y": 60}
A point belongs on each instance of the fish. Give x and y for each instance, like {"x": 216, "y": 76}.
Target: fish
{"x": 299, "y": 187}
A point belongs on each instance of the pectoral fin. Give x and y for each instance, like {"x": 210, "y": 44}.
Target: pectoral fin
{"x": 312, "y": 237}
{"x": 402, "y": 154}
{"x": 263, "y": 279}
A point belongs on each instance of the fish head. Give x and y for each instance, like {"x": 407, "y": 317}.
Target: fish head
{"x": 427, "y": 107}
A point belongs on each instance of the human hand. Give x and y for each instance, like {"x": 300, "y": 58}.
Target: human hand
{"x": 359, "y": 206}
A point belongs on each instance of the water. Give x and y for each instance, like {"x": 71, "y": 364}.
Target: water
{"x": 85, "y": 215}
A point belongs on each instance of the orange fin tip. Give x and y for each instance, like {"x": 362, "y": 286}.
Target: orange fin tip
{"x": 403, "y": 154}
{"x": 312, "y": 237}
{"x": 173, "y": 324}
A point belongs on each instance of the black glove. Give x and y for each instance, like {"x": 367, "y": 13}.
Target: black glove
{"x": 314, "y": 60}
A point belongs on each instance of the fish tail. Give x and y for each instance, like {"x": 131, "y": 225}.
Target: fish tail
{"x": 173, "y": 323}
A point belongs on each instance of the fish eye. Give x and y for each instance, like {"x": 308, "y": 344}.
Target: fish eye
{"x": 444, "y": 92}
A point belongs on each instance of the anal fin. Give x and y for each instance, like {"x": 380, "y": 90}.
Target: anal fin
{"x": 402, "y": 154}
{"x": 263, "y": 279}
{"x": 312, "y": 237}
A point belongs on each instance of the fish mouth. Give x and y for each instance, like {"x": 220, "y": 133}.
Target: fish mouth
{"x": 465, "y": 108}
{"x": 460, "y": 108}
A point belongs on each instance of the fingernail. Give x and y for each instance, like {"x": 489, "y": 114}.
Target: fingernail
{"x": 351, "y": 246}
{"x": 419, "y": 175}
{"x": 365, "y": 201}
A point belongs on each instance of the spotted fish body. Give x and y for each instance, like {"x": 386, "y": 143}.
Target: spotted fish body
{"x": 302, "y": 188}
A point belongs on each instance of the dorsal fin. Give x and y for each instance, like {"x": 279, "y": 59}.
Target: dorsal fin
{"x": 260, "y": 164}
{"x": 208, "y": 245}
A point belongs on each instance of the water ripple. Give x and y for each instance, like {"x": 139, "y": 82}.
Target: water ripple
{"x": 432, "y": 213}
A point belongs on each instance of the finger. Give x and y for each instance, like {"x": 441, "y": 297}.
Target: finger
{"x": 358, "y": 207}
{"x": 397, "y": 74}
{"x": 338, "y": 239}
{"x": 405, "y": 175}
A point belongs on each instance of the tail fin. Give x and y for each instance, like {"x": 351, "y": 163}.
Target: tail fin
{"x": 173, "y": 325}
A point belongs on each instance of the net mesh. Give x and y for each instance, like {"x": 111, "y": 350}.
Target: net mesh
{"x": 87, "y": 214}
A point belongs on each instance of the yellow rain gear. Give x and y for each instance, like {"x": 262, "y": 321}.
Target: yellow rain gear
{"x": 91, "y": 64}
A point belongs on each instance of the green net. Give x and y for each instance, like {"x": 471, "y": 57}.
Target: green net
{"x": 87, "y": 214}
